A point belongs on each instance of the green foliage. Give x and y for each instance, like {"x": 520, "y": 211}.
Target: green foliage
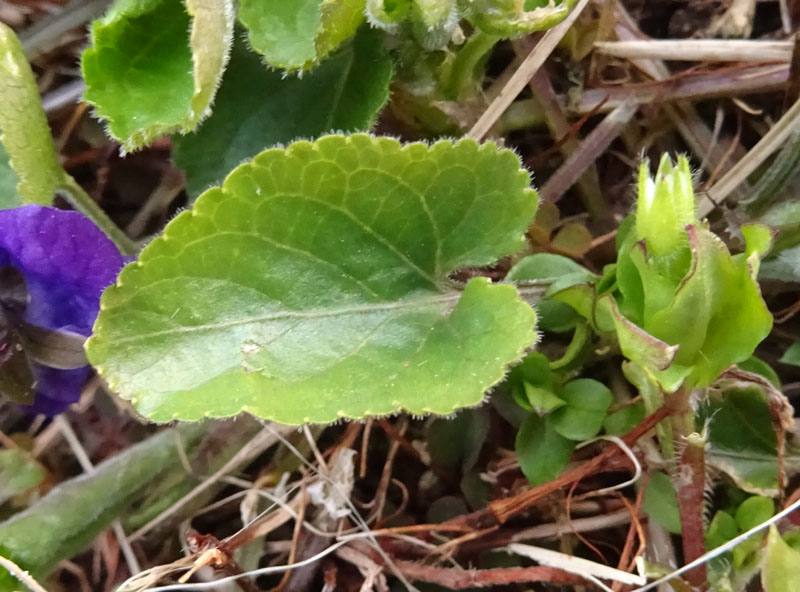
{"x": 457, "y": 442}
{"x": 558, "y": 273}
{"x": 349, "y": 240}
{"x": 624, "y": 420}
{"x": 741, "y": 438}
{"x": 586, "y": 404}
{"x": 18, "y": 473}
{"x": 682, "y": 306}
{"x": 781, "y": 569}
{"x": 512, "y": 18}
{"x": 542, "y": 452}
{"x": 430, "y": 22}
{"x": 154, "y": 65}
{"x": 751, "y": 512}
{"x": 26, "y": 142}
{"x": 9, "y": 198}
{"x": 296, "y": 35}
{"x": 791, "y": 355}
{"x": 257, "y": 107}
{"x": 562, "y": 413}
{"x": 661, "y": 502}
{"x": 665, "y": 206}
{"x": 72, "y": 514}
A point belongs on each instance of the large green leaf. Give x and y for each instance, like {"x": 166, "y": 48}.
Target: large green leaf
{"x": 314, "y": 285}
{"x": 296, "y": 35}
{"x": 257, "y": 108}
{"x": 71, "y": 515}
{"x": 154, "y": 65}
{"x": 27, "y": 143}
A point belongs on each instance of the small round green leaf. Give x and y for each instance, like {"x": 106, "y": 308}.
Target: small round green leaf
{"x": 314, "y": 285}
{"x": 542, "y": 452}
{"x": 587, "y": 402}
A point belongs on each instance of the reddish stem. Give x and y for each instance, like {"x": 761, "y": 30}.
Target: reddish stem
{"x": 690, "y": 480}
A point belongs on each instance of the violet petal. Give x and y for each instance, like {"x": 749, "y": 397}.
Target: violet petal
{"x": 67, "y": 262}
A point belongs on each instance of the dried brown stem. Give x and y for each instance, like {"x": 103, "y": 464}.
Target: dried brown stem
{"x": 461, "y": 579}
{"x": 499, "y": 511}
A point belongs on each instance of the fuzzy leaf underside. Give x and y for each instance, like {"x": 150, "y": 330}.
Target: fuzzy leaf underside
{"x": 313, "y": 285}
{"x": 257, "y": 107}
{"x": 154, "y": 66}
{"x": 27, "y": 143}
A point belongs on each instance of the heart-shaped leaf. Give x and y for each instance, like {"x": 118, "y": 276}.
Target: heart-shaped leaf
{"x": 146, "y": 75}
{"x": 314, "y": 285}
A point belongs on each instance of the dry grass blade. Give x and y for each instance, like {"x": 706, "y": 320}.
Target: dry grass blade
{"x": 263, "y": 440}
{"x": 700, "y": 50}
{"x": 733, "y": 82}
{"x": 593, "y": 146}
{"x": 776, "y": 137}
{"x": 524, "y": 73}
{"x": 22, "y": 575}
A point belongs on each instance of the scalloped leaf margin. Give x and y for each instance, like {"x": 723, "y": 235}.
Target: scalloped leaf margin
{"x": 313, "y": 285}
{"x": 146, "y": 76}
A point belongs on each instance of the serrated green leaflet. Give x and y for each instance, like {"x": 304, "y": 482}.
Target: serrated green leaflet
{"x": 25, "y": 133}
{"x": 313, "y": 285}
{"x": 296, "y": 35}
{"x": 155, "y": 65}
{"x": 257, "y": 107}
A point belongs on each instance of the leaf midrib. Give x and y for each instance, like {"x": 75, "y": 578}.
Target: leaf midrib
{"x": 367, "y": 308}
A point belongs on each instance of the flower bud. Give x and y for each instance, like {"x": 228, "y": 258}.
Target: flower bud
{"x": 665, "y": 206}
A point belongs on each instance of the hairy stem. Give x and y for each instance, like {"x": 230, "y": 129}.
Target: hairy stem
{"x": 690, "y": 480}
{"x": 82, "y": 201}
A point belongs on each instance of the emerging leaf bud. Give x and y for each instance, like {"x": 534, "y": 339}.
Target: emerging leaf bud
{"x": 665, "y": 206}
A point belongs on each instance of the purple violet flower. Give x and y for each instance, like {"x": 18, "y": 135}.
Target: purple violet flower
{"x": 65, "y": 262}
